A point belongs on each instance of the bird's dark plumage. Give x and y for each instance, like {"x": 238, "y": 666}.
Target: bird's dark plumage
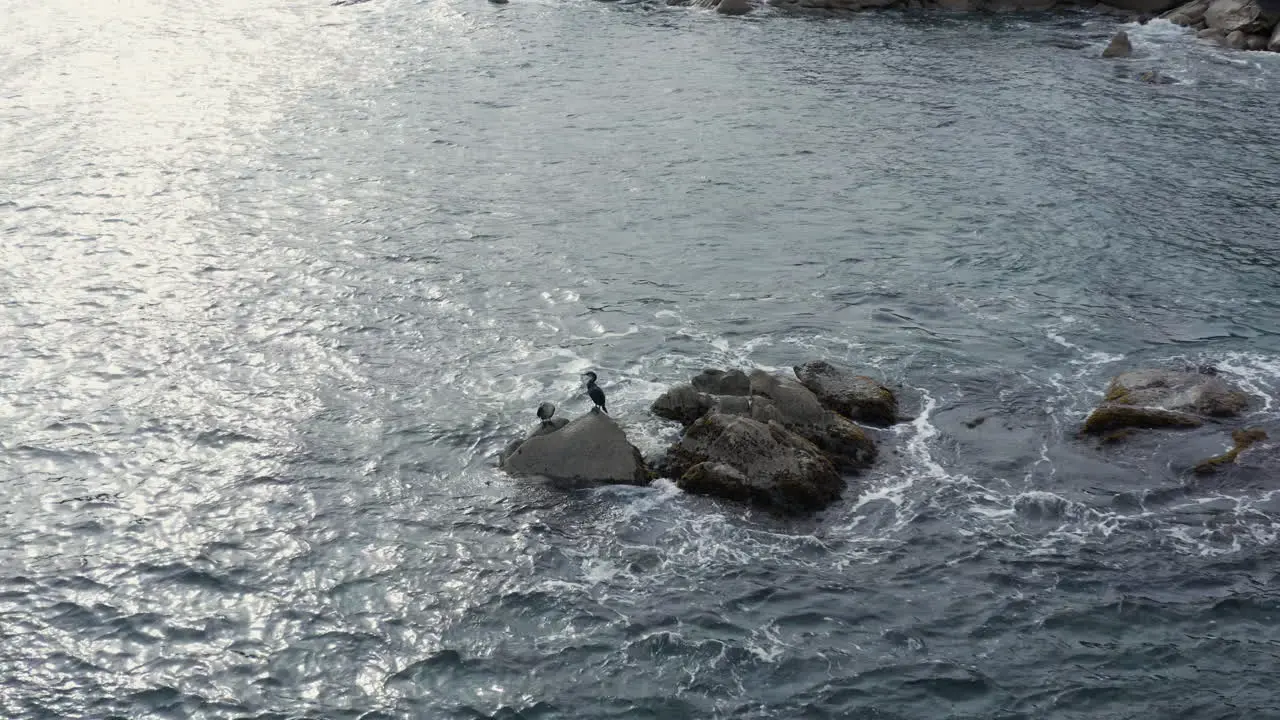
{"x": 594, "y": 392}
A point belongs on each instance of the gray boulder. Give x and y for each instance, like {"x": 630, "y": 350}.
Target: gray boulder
{"x": 738, "y": 458}
{"x": 721, "y": 382}
{"x": 734, "y": 7}
{"x": 682, "y": 403}
{"x": 1153, "y": 398}
{"x": 796, "y": 403}
{"x": 1246, "y": 16}
{"x": 1237, "y": 40}
{"x": 1119, "y": 47}
{"x": 1212, "y": 35}
{"x": 591, "y": 448}
{"x": 854, "y": 396}
{"x": 1188, "y": 14}
{"x": 1274, "y": 43}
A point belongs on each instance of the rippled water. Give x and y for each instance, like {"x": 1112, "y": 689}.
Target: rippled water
{"x": 281, "y": 277}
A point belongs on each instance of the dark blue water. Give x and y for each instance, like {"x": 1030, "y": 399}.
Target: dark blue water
{"x": 281, "y": 277}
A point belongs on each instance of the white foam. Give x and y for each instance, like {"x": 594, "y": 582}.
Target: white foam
{"x": 1256, "y": 374}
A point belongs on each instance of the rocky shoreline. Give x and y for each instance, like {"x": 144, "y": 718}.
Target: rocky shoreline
{"x": 1238, "y": 24}
{"x": 791, "y": 445}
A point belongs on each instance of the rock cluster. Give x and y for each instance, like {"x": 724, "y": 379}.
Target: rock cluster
{"x": 781, "y": 443}
{"x": 1240, "y": 24}
{"x": 789, "y": 444}
{"x": 778, "y": 442}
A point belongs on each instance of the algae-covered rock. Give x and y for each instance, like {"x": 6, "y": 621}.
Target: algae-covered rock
{"x": 1110, "y": 417}
{"x": 1193, "y": 392}
{"x": 1154, "y": 398}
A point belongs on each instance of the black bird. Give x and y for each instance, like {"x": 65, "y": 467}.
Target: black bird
{"x": 595, "y": 393}
{"x": 545, "y": 411}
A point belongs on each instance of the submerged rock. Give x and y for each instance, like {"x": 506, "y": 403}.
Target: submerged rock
{"x": 856, "y": 397}
{"x": 591, "y": 448}
{"x": 1242, "y": 439}
{"x": 738, "y": 458}
{"x": 1155, "y": 77}
{"x": 1119, "y": 47}
{"x": 734, "y": 7}
{"x": 1155, "y": 398}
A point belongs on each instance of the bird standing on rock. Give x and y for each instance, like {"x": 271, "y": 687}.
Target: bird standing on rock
{"x": 545, "y": 411}
{"x": 594, "y": 392}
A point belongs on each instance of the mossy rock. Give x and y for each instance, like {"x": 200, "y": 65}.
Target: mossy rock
{"x": 1110, "y": 418}
{"x": 1155, "y": 398}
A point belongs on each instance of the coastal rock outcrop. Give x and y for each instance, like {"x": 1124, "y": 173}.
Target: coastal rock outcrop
{"x": 591, "y": 448}
{"x": 1154, "y": 398}
{"x": 1155, "y": 77}
{"x": 738, "y": 458}
{"x": 1238, "y": 24}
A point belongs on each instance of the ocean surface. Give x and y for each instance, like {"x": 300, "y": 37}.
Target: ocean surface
{"x": 281, "y": 277}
